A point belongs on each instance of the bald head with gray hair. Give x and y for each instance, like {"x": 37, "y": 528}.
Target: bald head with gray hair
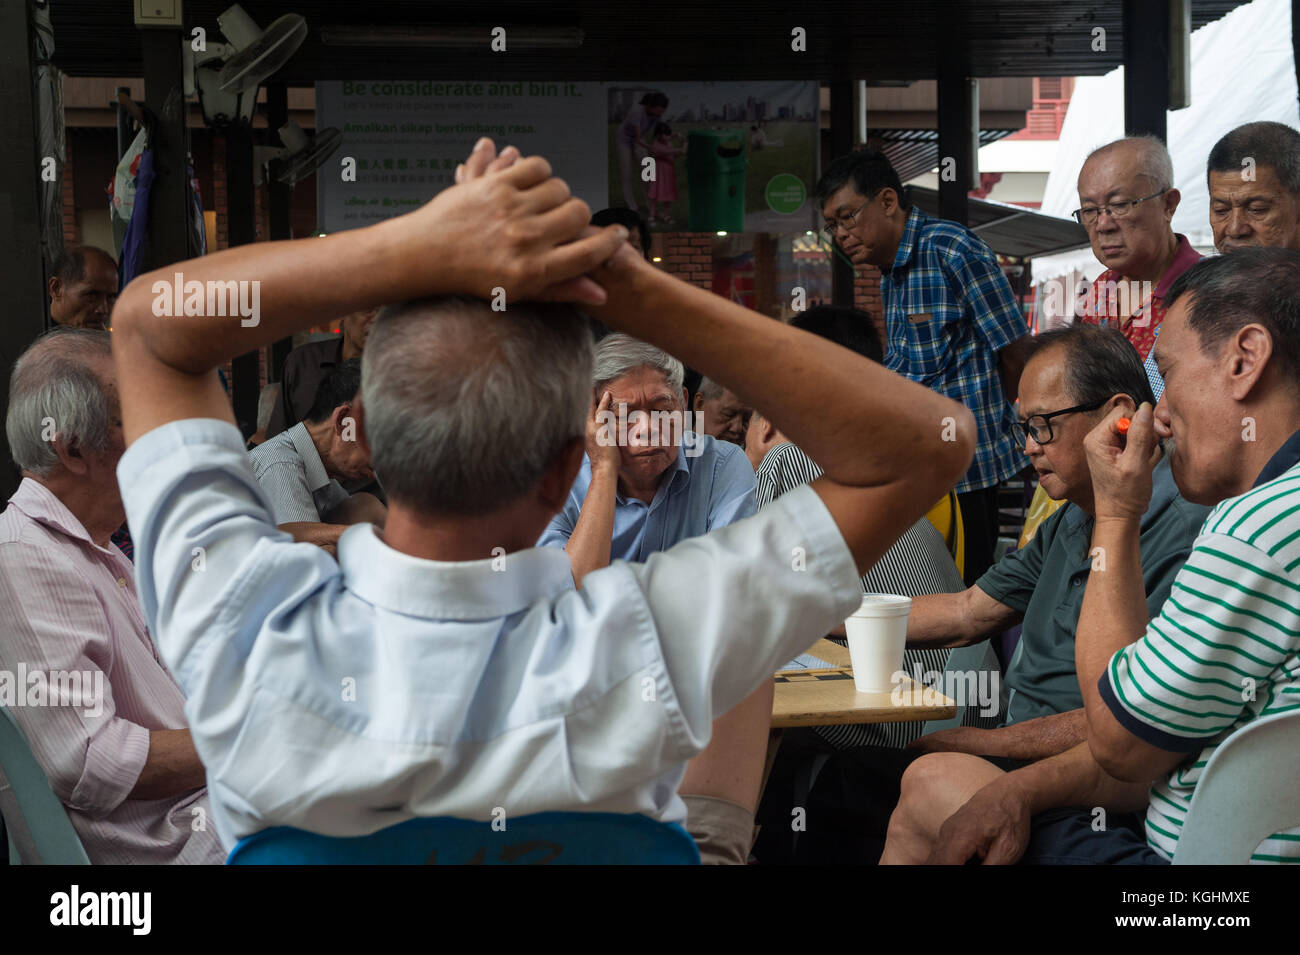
{"x": 57, "y": 389}
{"x": 1153, "y": 161}
{"x": 466, "y": 407}
{"x": 618, "y": 355}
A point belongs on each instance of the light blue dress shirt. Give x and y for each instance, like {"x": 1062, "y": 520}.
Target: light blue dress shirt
{"x": 346, "y": 697}
{"x": 701, "y": 493}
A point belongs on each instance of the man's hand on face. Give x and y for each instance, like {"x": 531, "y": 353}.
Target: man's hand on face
{"x": 509, "y": 224}
{"x": 1121, "y": 464}
{"x": 602, "y": 436}
{"x": 993, "y": 826}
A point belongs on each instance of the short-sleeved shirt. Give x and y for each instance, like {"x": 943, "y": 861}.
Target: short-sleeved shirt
{"x": 918, "y": 563}
{"x": 345, "y": 697}
{"x": 291, "y": 472}
{"x": 1105, "y": 297}
{"x": 1045, "y": 582}
{"x": 305, "y": 369}
{"x": 707, "y": 488}
{"x": 949, "y": 310}
{"x": 1224, "y": 650}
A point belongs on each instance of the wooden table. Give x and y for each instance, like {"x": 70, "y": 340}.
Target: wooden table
{"x": 828, "y": 697}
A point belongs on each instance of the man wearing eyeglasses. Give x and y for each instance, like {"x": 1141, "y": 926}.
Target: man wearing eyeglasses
{"x": 1126, "y": 202}
{"x": 952, "y": 321}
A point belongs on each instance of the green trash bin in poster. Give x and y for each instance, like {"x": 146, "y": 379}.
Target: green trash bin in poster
{"x": 715, "y": 173}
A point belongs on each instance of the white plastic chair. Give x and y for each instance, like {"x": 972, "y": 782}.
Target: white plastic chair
{"x": 1249, "y": 790}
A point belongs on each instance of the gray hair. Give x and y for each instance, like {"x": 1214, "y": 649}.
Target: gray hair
{"x": 465, "y": 407}
{"x": 53, "y": 386}
{"x": 709, "y": 389}
{"x": 616, "y": 355}
{"x": 1267, "y": 144}
{"x": 1154, "y": 163}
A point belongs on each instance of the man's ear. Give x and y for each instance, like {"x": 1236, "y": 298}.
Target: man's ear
{"x": 697, "y": 404}
{"x": 557, "y": 480}
{"x": 56, "y": 286}
{"x": 1127, "y": 402}
{"x": 888, "y": 200}
{"x": 1172, "y": 198}
{"x": 359, "y": 416}
{"x": 1253, "y": 347}
{"x": 70, "y": 455}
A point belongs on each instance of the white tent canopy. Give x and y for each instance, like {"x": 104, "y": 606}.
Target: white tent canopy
{"x": 1242, "y": 69}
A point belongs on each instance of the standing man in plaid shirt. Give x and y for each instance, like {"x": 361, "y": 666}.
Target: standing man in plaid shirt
{"x": 951, "y": 320}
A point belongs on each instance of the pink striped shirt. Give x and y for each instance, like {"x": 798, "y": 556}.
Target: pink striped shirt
{"x": 81, "y": 677}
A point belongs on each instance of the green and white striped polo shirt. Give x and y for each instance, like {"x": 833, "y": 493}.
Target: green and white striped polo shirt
{"x": 1223, "y": 651}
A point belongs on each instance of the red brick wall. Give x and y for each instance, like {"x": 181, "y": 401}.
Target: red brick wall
{"x": 689, "y": 256}
{"x": 866, "y": 296}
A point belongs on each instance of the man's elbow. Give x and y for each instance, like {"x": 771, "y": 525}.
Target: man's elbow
{"x": 1121, "y": 758}
{"x": 133, "y": 307}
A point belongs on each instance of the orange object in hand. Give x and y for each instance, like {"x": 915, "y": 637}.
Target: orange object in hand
{"x": 1122, "y": 425}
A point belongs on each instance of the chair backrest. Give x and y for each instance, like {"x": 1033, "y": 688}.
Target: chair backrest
{"x": 35, "y": 820}
{"x": 971, "y": 659}
{"x": 1249, "y": 790}
{"x": 946, "y": 518}
{"x": 562, "y": 838}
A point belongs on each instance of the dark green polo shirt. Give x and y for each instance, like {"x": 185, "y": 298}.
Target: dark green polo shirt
{"x": 1045, "y": 582}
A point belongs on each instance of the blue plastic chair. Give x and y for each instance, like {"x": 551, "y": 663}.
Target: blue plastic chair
{"x": 561, "y": 838}
{"x": 1249, "y": 790}
{"x": 36, "y": 824}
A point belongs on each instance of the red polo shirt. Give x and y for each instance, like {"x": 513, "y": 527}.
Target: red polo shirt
{"x": 1102, "y": 305}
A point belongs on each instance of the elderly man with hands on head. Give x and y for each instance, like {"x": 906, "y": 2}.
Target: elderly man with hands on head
{"x": 483, "y": 678}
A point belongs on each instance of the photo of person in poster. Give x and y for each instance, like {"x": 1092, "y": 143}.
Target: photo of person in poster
{"x": 735, "y": 157}
{"x": 633, "y": 144}
{"x": 665, "y": 149}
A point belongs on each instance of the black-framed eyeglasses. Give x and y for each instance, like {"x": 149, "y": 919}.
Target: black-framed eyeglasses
{"x": 1039, "y": 426}
{"x": 1117, "y": 209}
{"x": 831, "y": 230}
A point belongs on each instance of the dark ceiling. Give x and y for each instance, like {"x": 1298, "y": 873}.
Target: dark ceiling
{"x": 653, "y": 39}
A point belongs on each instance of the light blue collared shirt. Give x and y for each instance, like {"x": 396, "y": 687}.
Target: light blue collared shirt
{"x": 346, "y": 697}
{"x": 700, "y": 493}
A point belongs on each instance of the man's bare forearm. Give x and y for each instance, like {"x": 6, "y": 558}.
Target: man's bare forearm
{"x": 1114, "y": 610}
{"x": 172, "y": 767}
{"x": 939, "y": 620}
{"x": 310, "y": 532}
{"x": 1074, "y": 778}
{"x": 589, "y": 544}
{"x": 956, "y": 620}
{"x": 299, "y": 285}
{"x": 823, "y": 397}
{"x": 1041, "y": 738}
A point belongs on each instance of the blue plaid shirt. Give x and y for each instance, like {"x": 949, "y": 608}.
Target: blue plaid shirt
{"x": 949, "y": 310}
